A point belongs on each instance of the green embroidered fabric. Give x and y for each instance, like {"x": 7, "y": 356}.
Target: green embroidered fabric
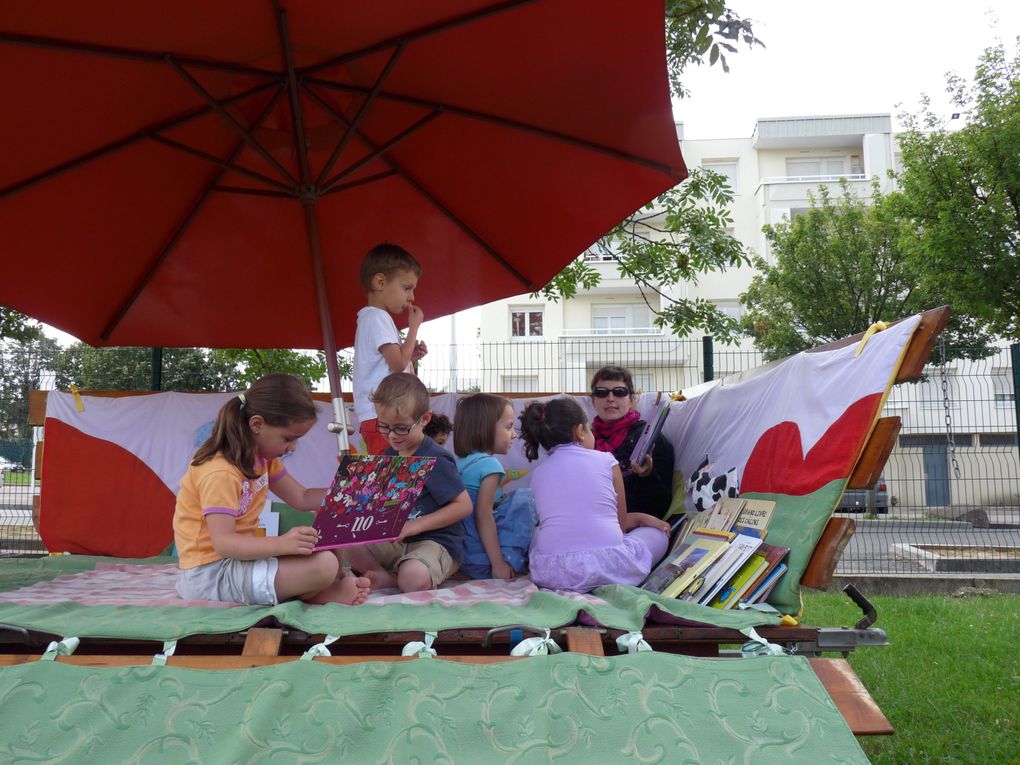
{"x": 624, "y": 608}
{"x": 569, "y": 708}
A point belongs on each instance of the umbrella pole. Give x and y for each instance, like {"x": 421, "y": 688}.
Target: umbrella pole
{"x": 339, "y": 424}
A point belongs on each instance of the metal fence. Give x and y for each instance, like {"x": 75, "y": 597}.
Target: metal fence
{"x": 948, "y": 501}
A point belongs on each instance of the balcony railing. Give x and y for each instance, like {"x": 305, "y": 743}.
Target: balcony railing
{"x": 813, "y": 178}
{"x": 611, "y": 331}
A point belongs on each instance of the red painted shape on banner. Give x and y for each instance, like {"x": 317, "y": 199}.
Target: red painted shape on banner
{"x": 100, "y": 499}
{"x": 778, "y": 464}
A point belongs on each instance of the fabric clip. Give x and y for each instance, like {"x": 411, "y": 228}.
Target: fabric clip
{"x": 759, "y": 646}
{"x": 421, "y": 649}
{"x": 159, "y": 660}
{"x": 878, "y": 326}
{"x": 536, "y": 646}
{"x": 319, "y": 649}
{"x": 64, "y": 647}
{"x": 78, "y": 403}
{"x": 634, "y": 642}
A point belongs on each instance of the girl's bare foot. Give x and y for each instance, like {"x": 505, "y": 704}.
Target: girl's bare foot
{"x": 347, "y": 589}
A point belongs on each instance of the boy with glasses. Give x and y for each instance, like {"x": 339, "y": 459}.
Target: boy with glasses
{"x": 430, "y": 546}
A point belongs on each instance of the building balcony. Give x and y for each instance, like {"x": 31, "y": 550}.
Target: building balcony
{"x": 846, "y": 130}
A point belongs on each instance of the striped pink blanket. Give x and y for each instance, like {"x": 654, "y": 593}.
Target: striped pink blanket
{"x": 119, "y": 584}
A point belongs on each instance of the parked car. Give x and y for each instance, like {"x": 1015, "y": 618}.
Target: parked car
{"x": 873, "y": 500}
{"x": 6, "y": 466}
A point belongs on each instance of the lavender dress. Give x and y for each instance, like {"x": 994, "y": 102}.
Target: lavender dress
{"x": 578, "y": 544}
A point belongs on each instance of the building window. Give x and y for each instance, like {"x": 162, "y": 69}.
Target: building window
{"x": 921, "y": 440}
{"x": 520, "y": 383}
{"x": 621, "y": 319}
{"x": 726, "y": 168}
{"x": 526, "y": 323}
{"x": 815, "y": 167}
{"x": 998, "y": 440}
{"x": 731, "y": 308}
{"x": 1002, "y": 385}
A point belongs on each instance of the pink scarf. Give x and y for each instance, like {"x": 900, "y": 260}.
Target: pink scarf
{"x": 609, "y": 436}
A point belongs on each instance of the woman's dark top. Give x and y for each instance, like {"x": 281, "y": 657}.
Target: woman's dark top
{"x": 653, "y": 493}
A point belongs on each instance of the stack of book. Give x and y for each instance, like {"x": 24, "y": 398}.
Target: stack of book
{"x": 719, "y": 557}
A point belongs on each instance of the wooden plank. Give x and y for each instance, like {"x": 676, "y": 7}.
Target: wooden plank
{"x": 822, "y": 564}
{"x": 876, "y": 452}
{"x": 36, "y": 511}
{"x": 584, "y": 640}
{"x": 923, "y": 343}
{"x": 851, "y": 698}
{"x": 262, "y": 641}
{"x": 37, "y": 472}
{"x": 37, "y": 407}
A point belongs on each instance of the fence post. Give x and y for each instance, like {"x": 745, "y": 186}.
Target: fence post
{"x": 1014, "y": 355}
{"x": 157, "y": 369}
{"x": 708, "y": 356}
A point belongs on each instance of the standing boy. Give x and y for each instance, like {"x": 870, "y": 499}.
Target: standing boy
{"x": 388, "y": 275}
{"x": 430, "y": 546}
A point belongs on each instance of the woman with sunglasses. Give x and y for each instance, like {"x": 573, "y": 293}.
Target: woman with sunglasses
{"x": 617, "y": 427}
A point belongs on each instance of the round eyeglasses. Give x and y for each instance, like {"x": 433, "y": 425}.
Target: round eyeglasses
{"x": 397, "y": 430}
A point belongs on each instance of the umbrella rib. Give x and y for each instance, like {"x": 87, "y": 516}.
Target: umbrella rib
{"x": 225, "y": 116}
{"x": 361, "y": 182}
{"x": 181, "y": 228}
{"x": 377, "y": 152}
{"x": 362, "y": 111}
{"x": 427, "y": 194}
{"x": 224, "y": 164}
{"x": 130, "y": 54}
{"x": 523, "y": 127}
{"x": 254, "y": 192}
{"x": 415, "y": 34}
{"x": 123, "y": 142}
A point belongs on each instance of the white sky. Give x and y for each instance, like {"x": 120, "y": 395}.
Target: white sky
{"x": 828, "y": 57}
{"x": 824, "y": 57}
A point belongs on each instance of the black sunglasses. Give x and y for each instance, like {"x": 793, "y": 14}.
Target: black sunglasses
{"x": 620, "y": 392}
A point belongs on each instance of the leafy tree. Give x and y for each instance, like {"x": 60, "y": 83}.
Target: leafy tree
{"x": 21, "y": 366}
{"x": 963, "y": 190}
{"x": 839, "y": 268}
{"x": 17, "y": 326}
{"x": 682, "y": 234}
{"x": 252, "y": 363}
{"x": 130, "y": 368}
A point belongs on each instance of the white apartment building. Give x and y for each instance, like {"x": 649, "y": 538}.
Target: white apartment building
{"x": 771, "y": 173}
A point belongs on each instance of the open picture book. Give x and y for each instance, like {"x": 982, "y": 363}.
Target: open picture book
{"x": 370, "y": 499}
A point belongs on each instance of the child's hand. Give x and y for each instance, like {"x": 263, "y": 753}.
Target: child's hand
{"x": 300, "y": 540}
{"x": 644, "y": 519}
{"x": 415, "y": 316}
{"x": 420, "y": 350}
{"x": 642, "y": 470}
{"x": 409, "y": 530}
{"x": 503, "y": 570}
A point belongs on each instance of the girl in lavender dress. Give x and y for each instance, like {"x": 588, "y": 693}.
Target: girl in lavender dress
{"x": 585, "y": 536}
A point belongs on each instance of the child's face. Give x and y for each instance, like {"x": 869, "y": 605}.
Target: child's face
{"x": 584, "y": 436}
{"x": 274, "y": 441}
{"x": 395, "y": 293}
{"x": 389, "y": 421}
{"x": 505, "y": 433}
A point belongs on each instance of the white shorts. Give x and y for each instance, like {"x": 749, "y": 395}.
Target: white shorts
{"x": 250, "y": 582}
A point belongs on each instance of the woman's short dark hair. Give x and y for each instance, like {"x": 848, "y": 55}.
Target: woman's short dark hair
{"x": 476, "y": 417}
{"x": 613, "y": 373}
{"x": 550, "y": 424}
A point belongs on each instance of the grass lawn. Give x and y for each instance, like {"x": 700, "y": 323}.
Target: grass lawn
{"x": 949, "y": 681}
{"x": 19, "y": 478}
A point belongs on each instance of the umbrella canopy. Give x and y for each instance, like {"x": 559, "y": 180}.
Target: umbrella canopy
{"x": 184, "y": 173}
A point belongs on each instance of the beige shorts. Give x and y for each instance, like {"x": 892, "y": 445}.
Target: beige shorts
{"x": 432, "y": 554}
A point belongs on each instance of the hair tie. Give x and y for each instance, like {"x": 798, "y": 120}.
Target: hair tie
{"x": 243, "y": 400}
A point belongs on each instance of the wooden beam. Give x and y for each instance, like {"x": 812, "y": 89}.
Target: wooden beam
{"x": 822, "y": 564}
{"x": 922, "y": 343}
{"x": 875, "y": 454}
{"x": 37, "y": 407}
{"x": 584, "y": 640}
{"x": 261, "y": 641}
{"x": 37, "y": 471}
{"x": 851, "y": 698}
{"x": 235, "y": 662}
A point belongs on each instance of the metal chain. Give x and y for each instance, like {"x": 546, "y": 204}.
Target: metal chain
{"x": 944, "y": 375}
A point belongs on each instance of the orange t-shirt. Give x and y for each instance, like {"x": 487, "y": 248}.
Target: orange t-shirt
{"x": 216, "y": 486}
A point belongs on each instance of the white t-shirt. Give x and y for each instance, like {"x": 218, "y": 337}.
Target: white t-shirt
{"x": 375, "y": 329}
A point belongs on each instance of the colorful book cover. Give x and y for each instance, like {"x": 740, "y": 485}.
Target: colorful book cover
{"x": 692, "y": 562}
{"x": 370, "y": 499}
{"x": 764, "y": 589}
{"x": 728, "y": 596}
{"x": 756, "y": 514}
{"x": 741, "y": 548}
{"x": 774, "y": 554}
{"x": 652, "y": 429}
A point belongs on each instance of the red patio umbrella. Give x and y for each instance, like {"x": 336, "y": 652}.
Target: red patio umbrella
{"x": 189, "y": 173}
